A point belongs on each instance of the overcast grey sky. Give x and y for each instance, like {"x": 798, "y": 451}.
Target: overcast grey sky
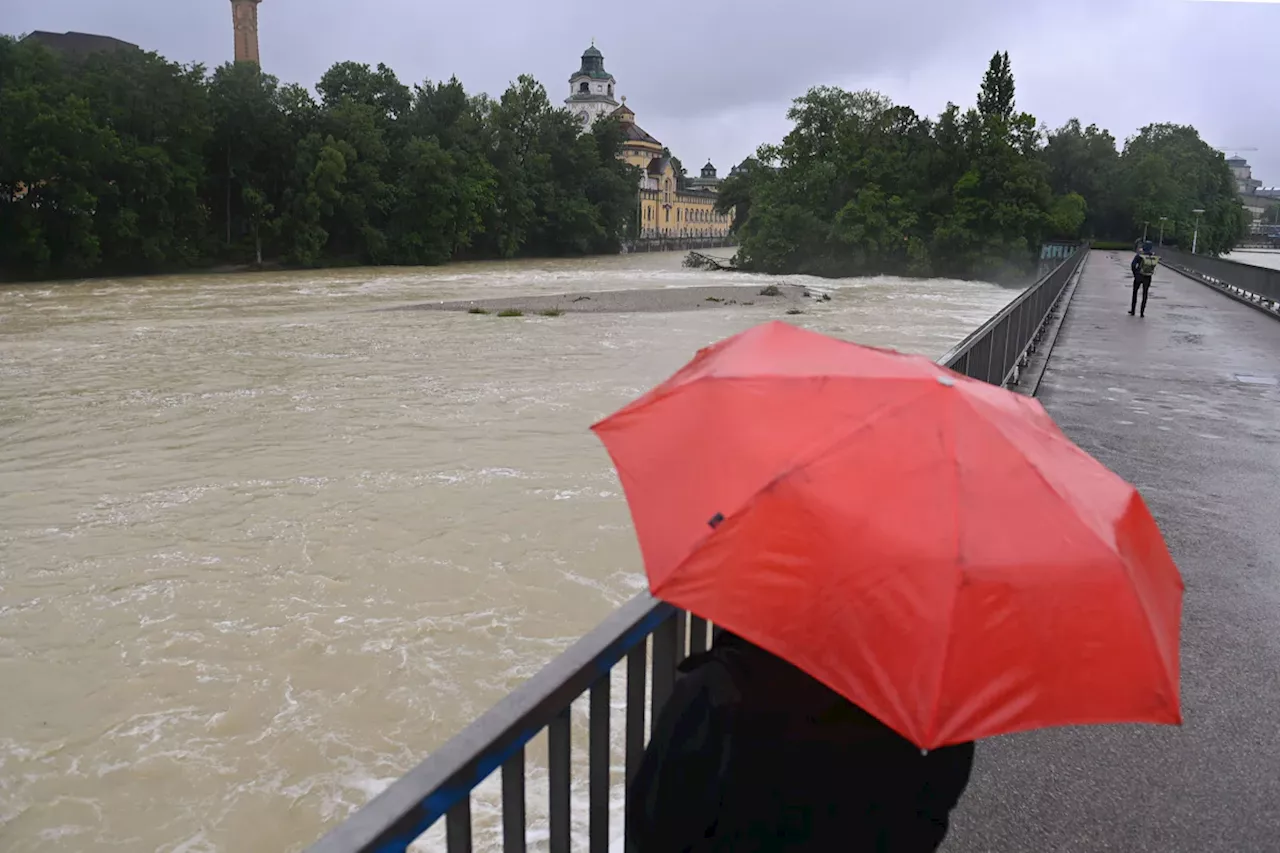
{"x": 713, "y": 79}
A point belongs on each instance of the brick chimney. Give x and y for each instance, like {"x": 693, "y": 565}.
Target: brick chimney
{"x": 244, "y": 14}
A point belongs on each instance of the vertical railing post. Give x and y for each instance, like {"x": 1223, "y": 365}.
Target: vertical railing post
{"x": 513, "y": 838}
{"x": 457, "y": 827}
{"x": 697, "y": 634}
{"x": 598, "y": 766}
{"x": 664, "y": 663}
{"x": 559, "y": 780}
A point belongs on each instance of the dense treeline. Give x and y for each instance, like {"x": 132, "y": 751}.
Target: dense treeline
{"x": 126, "y": 163}
{"x": 861, "y": 185}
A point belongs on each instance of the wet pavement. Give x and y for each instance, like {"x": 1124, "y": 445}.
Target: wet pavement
{"x": 1185, "y": 404}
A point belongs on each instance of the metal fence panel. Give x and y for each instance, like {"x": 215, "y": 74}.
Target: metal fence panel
{"x": 999, "y": 347}
{"x": 1258, "y": 285}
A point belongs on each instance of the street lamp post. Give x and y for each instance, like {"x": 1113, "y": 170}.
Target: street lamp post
{"x": 1144, "y": 231}
{"x": 1195, "y": 237}
{"x": 1163, "y": 219}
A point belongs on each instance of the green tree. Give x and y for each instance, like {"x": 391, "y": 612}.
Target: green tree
{"x": 995, "y": 100}
{"x": 250, "y": 150}
{"x": 123, "y": 162}
{"x": 1168, "y": 170}
{"x": 864, "y": 186}
{"x": 1085, "y": 161}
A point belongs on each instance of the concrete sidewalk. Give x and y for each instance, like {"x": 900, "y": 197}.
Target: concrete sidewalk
{"x": 1186, "y": 405}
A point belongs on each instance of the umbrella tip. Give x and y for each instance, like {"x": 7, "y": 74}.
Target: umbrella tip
{"x": 947, "y": 381}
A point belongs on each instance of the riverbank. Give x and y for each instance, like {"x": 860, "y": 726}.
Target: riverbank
{"x": 785, "y": 297}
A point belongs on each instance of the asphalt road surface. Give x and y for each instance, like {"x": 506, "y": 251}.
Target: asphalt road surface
{"x": 1186, "y": 405}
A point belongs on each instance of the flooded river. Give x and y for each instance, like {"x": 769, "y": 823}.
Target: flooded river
{"x": 263, "y": 547}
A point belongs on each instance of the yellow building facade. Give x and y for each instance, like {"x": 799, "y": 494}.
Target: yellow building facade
{"x": 665, "y": 209}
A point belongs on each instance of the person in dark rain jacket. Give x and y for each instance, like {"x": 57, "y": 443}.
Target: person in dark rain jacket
{"x": 1143, "y": 267}
{"x": 750, "y": 754}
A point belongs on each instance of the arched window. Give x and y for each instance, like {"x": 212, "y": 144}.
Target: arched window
{"x": 610, "y": 90}
{"x": 584, "y": 89}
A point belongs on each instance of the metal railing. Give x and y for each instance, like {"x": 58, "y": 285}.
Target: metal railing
{"x": 1257, "y": 286}
{"x": 442, "y": 785}
{"x": 1000, "y": 347}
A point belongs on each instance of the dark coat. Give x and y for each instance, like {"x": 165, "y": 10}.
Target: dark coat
{"x": 750, "y": 755}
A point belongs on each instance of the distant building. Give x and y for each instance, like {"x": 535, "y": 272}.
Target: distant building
{"x": 1254, "y": 197}
{"x": 1246, "y": 183}
{"x": 591, "y": 89}
{"x": 244, "y": 17}
{"x": 79, "y": 44}
{"x": 707, "y": 180}
{"x": 665, "y": 209}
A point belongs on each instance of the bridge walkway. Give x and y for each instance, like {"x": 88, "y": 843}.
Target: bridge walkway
{"x": 1185, "y": 404}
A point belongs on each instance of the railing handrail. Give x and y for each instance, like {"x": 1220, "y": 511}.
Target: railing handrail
{"x": 441, "y": 785}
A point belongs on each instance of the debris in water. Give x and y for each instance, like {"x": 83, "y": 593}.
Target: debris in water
{"x": 699, "y": 261}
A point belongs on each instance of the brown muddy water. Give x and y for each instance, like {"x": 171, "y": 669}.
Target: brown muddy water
{"x": 263, "y": 547}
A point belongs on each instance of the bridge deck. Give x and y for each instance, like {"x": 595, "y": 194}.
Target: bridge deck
{"x": 1184, "y": 404}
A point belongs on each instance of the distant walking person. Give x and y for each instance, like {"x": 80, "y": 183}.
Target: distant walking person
{"x": 1143, "y": 267}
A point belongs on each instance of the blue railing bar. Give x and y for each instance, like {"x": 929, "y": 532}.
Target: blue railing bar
{"x": 411, "y": 805}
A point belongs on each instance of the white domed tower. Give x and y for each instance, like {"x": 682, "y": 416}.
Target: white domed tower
{"x": 591, "y": 88}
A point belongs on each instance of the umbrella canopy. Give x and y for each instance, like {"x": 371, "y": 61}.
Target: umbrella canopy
{"x": 930, "y": 546}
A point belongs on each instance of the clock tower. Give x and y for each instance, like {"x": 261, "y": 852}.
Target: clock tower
{"x": 591, "y": 88}
{"x": 244, "y": 14}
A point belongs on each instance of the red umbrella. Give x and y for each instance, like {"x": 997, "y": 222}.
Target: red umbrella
{"x": 928, "y": 545}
